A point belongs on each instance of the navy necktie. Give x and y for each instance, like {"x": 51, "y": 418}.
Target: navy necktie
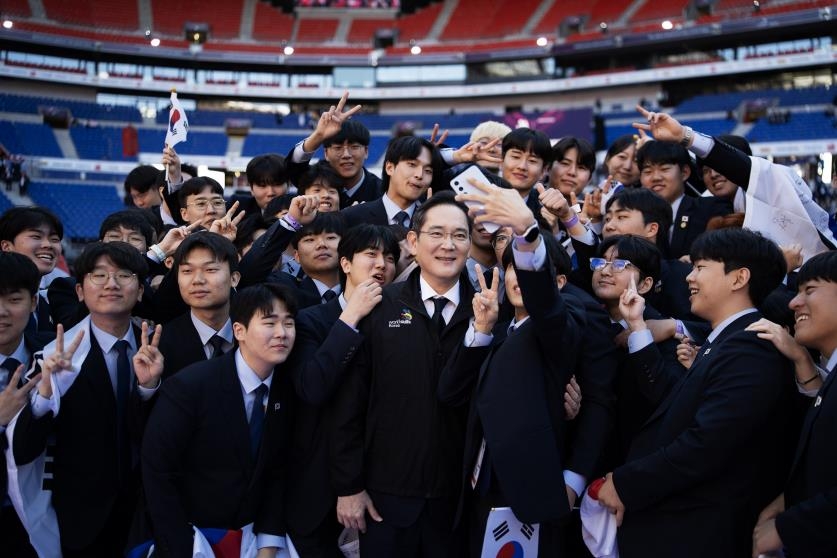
{"x": 7, "y": 370}
{"x": 257, "y": 420}
{"x": 439, "y": 304}
{"x": 217, "y": 343}
{"x": 402, "y": 218}
{"x": 329, "y": 295}
{"x": 123, "y": 389}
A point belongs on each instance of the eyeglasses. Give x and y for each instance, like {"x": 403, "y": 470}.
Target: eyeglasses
{"x": 618, "y": 266}
{"x": 201, "y": 205}
{"x": 354, "y": 148}
{"x": 457, "y": 237}
{"x": 500, "y": 240}
{"x": 101, "y": 277}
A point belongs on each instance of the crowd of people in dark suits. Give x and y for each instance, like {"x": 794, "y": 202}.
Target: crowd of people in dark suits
{"x": 344, "y": 361}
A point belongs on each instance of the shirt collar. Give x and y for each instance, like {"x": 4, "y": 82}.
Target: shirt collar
{"x": 427, "y": 292}
{"x": 22, "y": 355}
{"x": 106, "y": 341}
{"x": 721, "y": 326}
{"x": 515, "y": 325}
{"x": 675, "y": 207}
{"x": 342, "y": 300}
{"x": 205, "y": 332}
{"x": 351, "y": 191}
{"x": 247, "y": 377}
{"x": 392, "y": 209}
{"x": 829, "y": 366}
{"x": 322, "y": 287}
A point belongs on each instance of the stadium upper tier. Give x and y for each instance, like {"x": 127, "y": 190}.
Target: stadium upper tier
{"x": 103, "y": 135}
{"x": 462, "y": 26}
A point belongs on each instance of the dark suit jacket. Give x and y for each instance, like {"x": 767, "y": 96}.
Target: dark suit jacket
{"x": 86, "y": 481}
{"x": 196, "y": 462}
{"x": 691, "y": 219}
{"x": 33, "y": 344}
{"x": 180, "y": 345}
{"x": 706, "y": 461}
{"x": 517, "y": 406}
{"x": 306, "y": 292}
{"x": 392, "y": 435}
{"x": 372, "y": 212}
{"x": 323, "y": 349}
{"x": 807, "y": 527}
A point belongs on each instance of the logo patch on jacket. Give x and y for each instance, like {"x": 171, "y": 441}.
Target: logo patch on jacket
{"x": 406, "y": 318}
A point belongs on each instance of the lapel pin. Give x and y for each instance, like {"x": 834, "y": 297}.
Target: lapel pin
{"x": 277, "y": 406}
{"x": 818, "y": 401}
{"x": 706, "y": 352}
{"x": 684, "y": 221}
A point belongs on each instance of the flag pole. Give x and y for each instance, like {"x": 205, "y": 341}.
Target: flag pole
{"x": 173, "y": 90}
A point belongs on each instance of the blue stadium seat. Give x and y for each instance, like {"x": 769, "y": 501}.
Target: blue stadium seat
{"x": 80, "y": 207}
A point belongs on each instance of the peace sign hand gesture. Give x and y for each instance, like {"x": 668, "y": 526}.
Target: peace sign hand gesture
{"x": 485, "y": 302}
{"x": 148, "y": 362}
{"x": 331, "y": 121}
{"x": 61, "y": 359}
{"x": 227, "y": 226}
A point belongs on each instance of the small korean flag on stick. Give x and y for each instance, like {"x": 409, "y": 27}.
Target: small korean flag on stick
{"x": 178, "y": 127}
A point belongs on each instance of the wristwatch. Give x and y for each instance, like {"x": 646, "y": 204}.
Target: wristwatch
{"x": 531, "y": 234}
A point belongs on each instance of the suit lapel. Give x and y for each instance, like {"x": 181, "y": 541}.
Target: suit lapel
{"x": 681, "y": 224}
{"x": 192, "y": 342}
{"x": 94, "y": 371}
{"x": 703, "y": 361}
{"x": 234, "y": 408}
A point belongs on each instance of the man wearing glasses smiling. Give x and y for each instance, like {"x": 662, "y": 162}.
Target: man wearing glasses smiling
{"x": 346, "y": 146}
{"x": 201, "y": 201}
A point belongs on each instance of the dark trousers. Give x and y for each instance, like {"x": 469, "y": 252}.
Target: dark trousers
{"x": 426, "y": 537}
{"x": 14, "y": 540}
{"x": 112, "y": 539}
{"x": 322, "y": 541}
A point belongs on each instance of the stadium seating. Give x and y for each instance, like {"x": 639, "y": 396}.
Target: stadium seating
{"x": 105, "y": 14}
{"x": 80, "y": 207}
{"x": 30, "y": 139}
{"x": 800, "y": 126}
{"x": 99, "y": 143}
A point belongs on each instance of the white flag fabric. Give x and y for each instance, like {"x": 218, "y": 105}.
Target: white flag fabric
{"x": 178, "y": 123}
{"x": 508, "y": 537}
{"x": 780, "y": 206}
{"x": 598, "y": 528}
{"x": 32, "y": 503}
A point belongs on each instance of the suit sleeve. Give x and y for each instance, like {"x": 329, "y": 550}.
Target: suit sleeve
{"x": 169, "y": 430}
{"x": 64, "y": 305}
{"x": 30, "y": 435}
{"x": 320, "y": 364}
{"x": 730, "y": 162}
{"x": 807, "y": 529}
{"x": 266, "y": 252}
{"x": 742, "y": 388}
{"x": 655, "y": 374}
{"x": 459, "y": 376}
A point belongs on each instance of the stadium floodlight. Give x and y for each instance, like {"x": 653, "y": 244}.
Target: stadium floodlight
{"x": 155, "y": 42}
{"x": 542, "y": 41}
{"x": 667, "y": 25}
{"x": 415, "y": 50}
{"x": 8, "y": 24}
{"x": 288, "y": 50}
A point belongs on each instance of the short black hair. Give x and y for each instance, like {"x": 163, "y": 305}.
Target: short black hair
{"x": 248, "y": 227}
{"x": 365, "y": 236}
{"x": 277, "y": 204}
{"x": 322, "y": 171}
{"x": 822, "y": 267}
{"x": 121, "y": 254}
{"x": 445, "y": 197}
{"x": 221, "y": 247}
{"x": 19, "y": 219}
{"x": 132, "y": 219}
{"x": 586, "y": 153}
{"x": 331, "y": 222}
{"x": 142, "y": 179}
{"x": 737, "y": 248}
{"x": 19, "y": 272}
{"x": 644, "y": 255}
{"x": 662, "y": 153}
{"x": 268, "y": 168}
{"x": 653, "y": 207}
{"x": 260, "y": 298}
{"x": 529, "y": 140}
{"x": 407, "y": 148}
{"x": 351, "y": 131}
{"x": 196, "y": 186}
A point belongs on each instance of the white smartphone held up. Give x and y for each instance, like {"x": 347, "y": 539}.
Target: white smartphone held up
{"x": 460, "y": 185}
